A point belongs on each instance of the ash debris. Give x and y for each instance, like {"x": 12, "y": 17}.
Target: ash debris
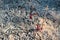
{"x": 26, "y": 21}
